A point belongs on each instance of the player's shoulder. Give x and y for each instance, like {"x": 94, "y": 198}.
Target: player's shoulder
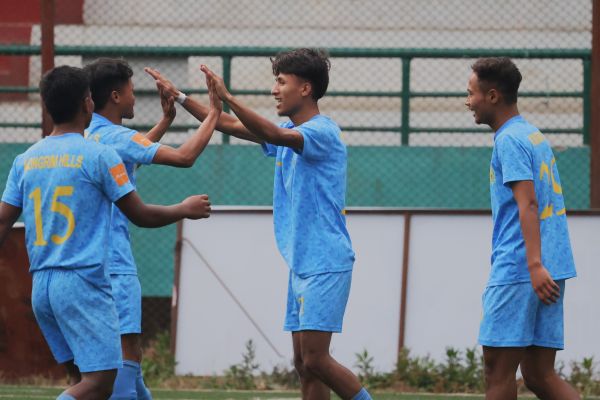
{"x": 323, "y": 123}
{"x": 519, "y": 131}
{"x": 110, "y": 134}
{"x": 96, "y": 150}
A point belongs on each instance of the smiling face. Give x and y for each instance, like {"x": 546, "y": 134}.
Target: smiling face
{"x": 290, "y": 92}
{"x": 480, "y": 101}
{"x": 126, "y": 100}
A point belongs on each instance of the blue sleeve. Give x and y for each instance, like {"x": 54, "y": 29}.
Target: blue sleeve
{"x": 133, "y": 147}
{"x": 13, "y": 193}
{"x": 112, "y": 175}
{"x": 319, "y": 140}
{"x": 270, "y": 150}
{"x": 516, "y": 160}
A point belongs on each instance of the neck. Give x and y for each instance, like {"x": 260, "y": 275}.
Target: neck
{"x": 504, "y": 115}
{"x": 305, "y": 114}
{"x": 111, "y": 114}
{"x": 68, "y": 127}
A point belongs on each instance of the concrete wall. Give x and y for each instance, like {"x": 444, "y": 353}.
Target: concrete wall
{"x": 448, "y": 267}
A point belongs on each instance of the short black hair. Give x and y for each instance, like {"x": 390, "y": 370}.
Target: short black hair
{"x": 107, "y": 75}
{"x": 310, "y": 64}
{"x": 63, "y": 89}
{"x": 500, "y": 73}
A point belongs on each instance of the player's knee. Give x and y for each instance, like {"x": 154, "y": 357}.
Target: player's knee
{"x": 299, "y": 366}
{"x": 314, "y": 363}
{"x": 101, "y": 384}
{"x": 494, "y": 375}
{"x": 534, "y": 381}
{"x": 132, "y": 347}
{"x": 103, "y": 389}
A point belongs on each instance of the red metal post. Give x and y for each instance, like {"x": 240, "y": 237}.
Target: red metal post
{"x": 47, "y": 25}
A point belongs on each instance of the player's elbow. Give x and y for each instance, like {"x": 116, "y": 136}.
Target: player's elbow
{"x": 138, "y": 220}
{"x": 188, "y": 162}
{"x": 184, "y": 160}
{"x": 146, "y": 221}
{"x": 530, "y": 206}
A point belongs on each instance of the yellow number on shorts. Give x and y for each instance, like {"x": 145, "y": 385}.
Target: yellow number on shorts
{"x": 57, "y": 207}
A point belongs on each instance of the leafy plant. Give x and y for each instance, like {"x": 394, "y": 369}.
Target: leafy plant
{"x": 583, "y": 377}
{"x": 241, "y": 376}
{"x": 158, "y": 363}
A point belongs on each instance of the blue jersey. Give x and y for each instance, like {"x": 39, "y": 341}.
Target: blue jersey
{"x": 133, "y": 148}
{"x": 522, "y": 153}
{"x": 309, "y": 200}
{"x": 65, "y": 187}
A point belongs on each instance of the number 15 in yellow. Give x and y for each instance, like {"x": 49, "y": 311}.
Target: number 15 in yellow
{"x": 57, "y": 207}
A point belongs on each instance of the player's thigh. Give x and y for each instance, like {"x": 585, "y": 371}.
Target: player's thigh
{"x": 292, "y": 313}
{"x": 501, "y": 362}
{"x": 549, "y": 324}
{"x": 45, "y": 317}
{"x": 127, "y": 293}
{"x": 315, "y": 343}
{"x": 86, "y": 313}
{"x": 322, "y": 300}
{"x": 538, "y": 362}
{"x": 509, "y": 316}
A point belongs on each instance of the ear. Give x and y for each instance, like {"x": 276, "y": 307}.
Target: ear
{"x": 115, "y": 97}
{"x": 306, "y": 89}
{"x": 493, "y": 96}
{"x": 88, "y": 105}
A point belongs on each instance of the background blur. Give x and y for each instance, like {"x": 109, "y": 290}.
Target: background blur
{"x": 397, "y": 88}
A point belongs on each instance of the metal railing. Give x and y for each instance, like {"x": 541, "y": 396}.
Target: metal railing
{"x": 405, "y": 94}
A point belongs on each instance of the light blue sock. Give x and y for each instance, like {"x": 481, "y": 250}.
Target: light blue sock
{"x": 124, "y": 387}
{"x": 142, "y": 391}
{"x": 362, "y": 395}
{"x": 65, "y": 396}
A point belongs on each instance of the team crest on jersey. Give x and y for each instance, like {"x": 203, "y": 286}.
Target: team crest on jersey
{"x": 492, "y": 176}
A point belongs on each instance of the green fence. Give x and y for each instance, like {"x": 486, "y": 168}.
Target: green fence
{"x": 410, "y": 144}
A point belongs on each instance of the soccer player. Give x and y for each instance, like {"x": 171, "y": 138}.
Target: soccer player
{"x": 531, "y": 253}
{"x": 112, "y": 92}
{"x": 308, "y": 209}
{"x": 64, "y": 187}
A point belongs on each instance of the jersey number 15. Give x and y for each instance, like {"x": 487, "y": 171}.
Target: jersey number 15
{"x": 56, "y": 207}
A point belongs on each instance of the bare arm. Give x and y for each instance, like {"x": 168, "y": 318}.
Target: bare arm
{"x": 9, "y": 214}
{"x": 256, "y": 124}
{"x": 154, "y": 216}
{"x": 186, "y": 154}
{"x": 226, "y": 123}
{"x": 168, "y": 106}
{"x": 543, "y": 284}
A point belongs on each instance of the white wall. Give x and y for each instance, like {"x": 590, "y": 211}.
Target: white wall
{"x": 448, "y": 260}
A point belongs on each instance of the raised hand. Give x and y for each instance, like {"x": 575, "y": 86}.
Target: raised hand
{"x": 215, "y": 102}
{"x": 167, "y": 103}
{"x": 197, "y": 206}
{"x": 162, "y": 83}
{"x": 218, "y": 82}
{"x": 543, "y": 285}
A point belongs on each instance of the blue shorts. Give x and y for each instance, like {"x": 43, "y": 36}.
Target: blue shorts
{"x": 128, "y": 299}
{"x": 317, "y": 302}
{"x": 76, "y": 313}
{"x": 513, "y": 316}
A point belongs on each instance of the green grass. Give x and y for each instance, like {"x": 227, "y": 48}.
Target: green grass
{"x": 37, "y": 393}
